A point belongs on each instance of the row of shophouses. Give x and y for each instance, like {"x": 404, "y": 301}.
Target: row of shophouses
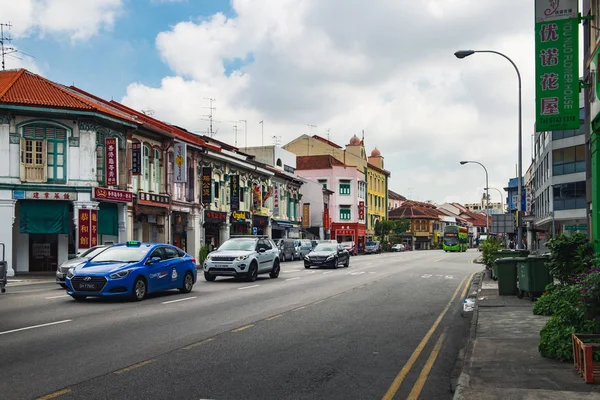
{"x": 78, "y": 171}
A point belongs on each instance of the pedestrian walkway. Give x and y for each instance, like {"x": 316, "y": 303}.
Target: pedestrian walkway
{"x": 21, "y": 280}
{"x": 502, "y": 359}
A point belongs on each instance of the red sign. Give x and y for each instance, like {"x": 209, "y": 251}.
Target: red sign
{"x": 94, "y": 228}
{"x": 361, "y": 210}
{"x": 344, "y": 232}
{"x": 112, "y": 195}
{"x": 84, "y": 228}
{"x": 215, "y": 216}
{"x": 326, "y": 219}
{"x": 111, "y": 171}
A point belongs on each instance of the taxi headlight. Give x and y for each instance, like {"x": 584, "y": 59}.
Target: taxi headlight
{"x": 120, "y": 274}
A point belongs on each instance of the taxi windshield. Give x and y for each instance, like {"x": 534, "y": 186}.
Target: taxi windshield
{"x": 243, "y": 245}
{"x": 121, "y": 254}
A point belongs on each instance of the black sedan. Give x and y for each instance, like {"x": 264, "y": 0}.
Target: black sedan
{"x": 327, "y": 255}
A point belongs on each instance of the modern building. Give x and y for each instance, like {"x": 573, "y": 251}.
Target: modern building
{"x": 493, "y": 207}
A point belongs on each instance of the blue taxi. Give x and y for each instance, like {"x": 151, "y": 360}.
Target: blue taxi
{"x": 132, "y": 269}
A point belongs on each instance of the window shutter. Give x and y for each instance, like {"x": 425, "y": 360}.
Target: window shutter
{"x": 23, "y": 160}
{"x": 45, "y": 160}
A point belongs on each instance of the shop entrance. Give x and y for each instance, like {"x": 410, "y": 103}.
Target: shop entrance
{"x": 43, "y": 252}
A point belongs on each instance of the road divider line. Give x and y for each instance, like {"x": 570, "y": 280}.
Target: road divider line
{"x": 178, "y": 300}
{"x": 134, "y": 366}
{"x": 327, "y": 272}
{"x": 57, "y": 297}
{"x": 311, "y": 272}
{"x": 299, "y": 308}
{"x": 200, "y": 343}
{"x": 291, "y": 279}
{"x": 35, "y": 326}
{"x": 243, "y": 328}
{"x": 464, "y": 292}
{"x": 439, "y": 259}
{"x": 273, "y": 317}
{"x": 248, "y": 287}
{"x": 357, "y": 273}
{"x": 290, "y": 270}
{"x": 55, "y": 394}
{"x": 420, "y": 383}
{"x": 393, "y": 389}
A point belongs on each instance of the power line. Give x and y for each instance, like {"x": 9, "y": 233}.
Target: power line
{"x": 5, "y": 49}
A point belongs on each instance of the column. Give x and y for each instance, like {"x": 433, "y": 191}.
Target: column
{"x": 595, "y": 209}
{"x": 269, "y": 230}
{"x": 77, "y": 205}
{"x": 224, "y": 232}
{"x": 123, "y": 221}
{"x": 129, "y": 226}
{"x": 194, "y": 242}
{"x": 7, "y": 213}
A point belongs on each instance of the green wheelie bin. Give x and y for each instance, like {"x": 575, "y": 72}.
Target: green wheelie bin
{"x": 533, "y": 276}
{"x": 506, "y": 268}
{"x": 505, "y": 253}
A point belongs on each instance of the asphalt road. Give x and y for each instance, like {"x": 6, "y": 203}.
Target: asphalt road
{"x": 390, "y": 326}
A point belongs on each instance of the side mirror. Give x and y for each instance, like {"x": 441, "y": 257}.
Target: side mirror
{"x": 262, "y": 250}
{"x": 153, "y": 260}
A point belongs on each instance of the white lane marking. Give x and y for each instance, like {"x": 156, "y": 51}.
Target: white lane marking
{"x": 178, "y": 300}
{"x": 311, "y": 272}
{"x": 248, "y": 287}
{"x": 35, "y": 326}
{"x": 357, "y": 273}
{"x": 449, "y": 277}
{"x": 439, "y": 276}
{"x": 439, "y": 259}
{"x": 57, "y": 297}
{"x": 426, "y": 276}
{"x": 327, "y": 272}
{"x": 372, "y": 272}
{"x": 291, "y": 279}
{"x": 290, "y": 270}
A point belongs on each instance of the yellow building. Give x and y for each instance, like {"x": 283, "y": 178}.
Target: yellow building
{"x": 377, "y": 190}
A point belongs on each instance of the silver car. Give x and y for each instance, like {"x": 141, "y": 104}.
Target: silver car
{"x": 61, "y": 271}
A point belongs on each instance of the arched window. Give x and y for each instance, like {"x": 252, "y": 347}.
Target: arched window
{"x": 279, "y": 163}
{"x": 44, "y": 153}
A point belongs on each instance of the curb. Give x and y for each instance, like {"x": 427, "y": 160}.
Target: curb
{"x": 464, "y": 378}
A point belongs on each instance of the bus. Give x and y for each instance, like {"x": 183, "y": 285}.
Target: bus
{"x": 456, "y": 238}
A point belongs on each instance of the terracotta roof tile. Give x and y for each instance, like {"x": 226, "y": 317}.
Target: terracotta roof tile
{"x": 395, "y": 196}
{"x": 329, "y": 142}
{"x": 325, "y": 161}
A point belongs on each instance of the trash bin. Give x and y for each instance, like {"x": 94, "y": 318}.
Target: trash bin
{"x": 533, "y": 276}
{"x": 505, "y": 253}
{"x": 506, "y": 269}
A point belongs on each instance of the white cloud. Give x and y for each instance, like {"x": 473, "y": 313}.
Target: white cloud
{"x": 77, "y": 19}
{"x": 386, "y": 67}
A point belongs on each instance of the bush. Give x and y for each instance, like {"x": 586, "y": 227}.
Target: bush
{"x": 570, "y": 255}
{"x": 203, "y": 254}
{"x": 556, "y": 337}
{"x": 590, "y": 294}
{"x": 556, "y": 297}
{"x": 489, "y": 246}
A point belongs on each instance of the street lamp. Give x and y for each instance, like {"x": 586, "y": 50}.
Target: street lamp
{"x": 501, "y": 197}
{"x": 465, "y": 53}
{"x": 487, "y": 194}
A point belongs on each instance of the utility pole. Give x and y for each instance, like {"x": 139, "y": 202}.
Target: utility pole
{"x": 262, "y": 130}
{"x": 245, "y": 134}
{"x": 4, "y": 40}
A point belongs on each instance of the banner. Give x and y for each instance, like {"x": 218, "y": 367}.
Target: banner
{"x": 306, "y": 215}
{"x": 234, "y": 194}
{"x": 94, "y": 228}
{"x": 179, "y": 151}
{"x": 206, "y": 185}
{"x": 326, "y": 219}
{"x": 111, "y": 171}
{"x": 276, "y": 200}
{"x": 361, "y": 210}
{"x": 257, "y": 197}
{"x": 84, "y": 228}
{"x": 136, "y": 158}
{"x": 267, "y": 195}
{"x": 556, "y": 65}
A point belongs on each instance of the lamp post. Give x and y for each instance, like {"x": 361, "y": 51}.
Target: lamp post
{"x": 501, "y": 197}
{"x": 487, "y": 194}
{"x": 465, "y": 53}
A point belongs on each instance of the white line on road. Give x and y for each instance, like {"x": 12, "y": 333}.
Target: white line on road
{"x": 35, "y": 326}
{"x": 372, "y": 272}
{"x": 248, "y": 287}
{"x": 357, "y": 273}
{"x": 178, "y": 300}
{"x": 310, "y": 272}
{"x": 327, "y": 272}
{"x": 290, "y": 270}
{"x": 57, "y": 297}
{"x": 291, "y": 279}
{"x": 439, "y": 259}
{"x": 426, "y": 276}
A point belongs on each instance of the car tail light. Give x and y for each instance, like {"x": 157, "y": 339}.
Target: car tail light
{"x": 193, "y": 260}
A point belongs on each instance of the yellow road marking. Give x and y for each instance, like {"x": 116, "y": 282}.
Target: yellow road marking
{"x": 393, "y": 389}
{"x": 243, "y": 328}
{"x": 134, "y": 366}
{"x": 416, "y": 390}
{"x": 464, "y": 292}
{"x": 191, "y": 346}
{"x": 299, "y": 308}
{"x": 55, "y": 394}
{"x": 273, "y": 317}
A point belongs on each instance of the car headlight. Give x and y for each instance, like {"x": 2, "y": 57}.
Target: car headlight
{"x": 208, "y": 257}
{"x": 120, "y": 274}
{"x": 242, "y": 258}
{"x": 71, "y": 273}
{"x": 307, "y": 258}
{"x": 330, "y": 257}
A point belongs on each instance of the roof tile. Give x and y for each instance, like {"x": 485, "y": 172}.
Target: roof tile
{"x": 325, "y": 161}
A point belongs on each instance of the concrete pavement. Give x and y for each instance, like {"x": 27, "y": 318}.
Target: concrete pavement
{"x": 502, "y": 359}
{"x": 389, "y": 324}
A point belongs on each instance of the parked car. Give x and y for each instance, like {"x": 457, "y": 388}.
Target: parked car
{"x": 398, "y": 247}
{"x": 327, "y": 255}
{"x": 351, "y": 247}
{"x": 287, "y": 250}
{"x": 243, "y": 256}
{"x": 373, "y": 247}
{"x": 305, "y": 247}
{"x": 132, "y": 269}
{"x": 61, "y": 271}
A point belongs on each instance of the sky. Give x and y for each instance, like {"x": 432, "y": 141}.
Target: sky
{"x": 332, "y": 68}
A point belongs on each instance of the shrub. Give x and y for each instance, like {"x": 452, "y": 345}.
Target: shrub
{"x": 590, "y": 295}
{"x": 489, "y": 246}
{"x": 556, "y": 337}
{"x": 570, "y": 255}
{"x": 203, "y": 254}
{"x": 555, "y": 297}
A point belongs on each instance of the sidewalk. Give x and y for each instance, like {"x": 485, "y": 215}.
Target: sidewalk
{"x": 502, "y": 359}
{"x": 30, "y": 279}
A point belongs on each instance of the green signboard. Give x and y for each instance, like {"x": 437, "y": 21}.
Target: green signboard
{"x": 556, "y": 65}
{"x": 575, "y": 227}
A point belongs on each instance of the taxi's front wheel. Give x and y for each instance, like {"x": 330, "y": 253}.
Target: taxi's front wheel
{"x": 139, "y": 289}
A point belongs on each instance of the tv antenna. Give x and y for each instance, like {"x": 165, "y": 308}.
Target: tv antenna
{"x": 276, "y": 140}
{"x": 235, "y": 130}
{"x": 210, "y": 119}
{"x": 311, "y": 126}
{"x": 148, "y": 111}
{"x": 328, "y": 134}
{"x": 5, "y": 49}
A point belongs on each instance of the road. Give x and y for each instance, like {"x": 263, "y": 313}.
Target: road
{"x": 390, "y": 326}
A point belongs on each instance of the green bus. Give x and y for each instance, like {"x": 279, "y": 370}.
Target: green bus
{"x": 456, "y": 238}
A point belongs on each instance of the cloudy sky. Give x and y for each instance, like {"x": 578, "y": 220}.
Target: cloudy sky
{"x": 309, "y": 66}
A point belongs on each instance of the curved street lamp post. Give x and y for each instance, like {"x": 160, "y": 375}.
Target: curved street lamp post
{"x": 487, "y": 194}
{"x": 465, "y": 53}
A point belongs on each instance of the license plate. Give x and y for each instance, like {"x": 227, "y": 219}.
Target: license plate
{"x": 87, "y": 286}
{"x": 221, "y": 266}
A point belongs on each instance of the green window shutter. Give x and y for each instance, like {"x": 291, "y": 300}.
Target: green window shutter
{"x": 108, "y": 219}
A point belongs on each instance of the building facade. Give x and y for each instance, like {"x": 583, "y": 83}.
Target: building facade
{"x": 377, "y": 200}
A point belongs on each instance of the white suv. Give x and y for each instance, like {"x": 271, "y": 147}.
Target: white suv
{"x": 243, "y": 256}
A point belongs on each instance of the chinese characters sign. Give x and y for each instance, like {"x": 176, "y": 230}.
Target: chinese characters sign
{"x": 206, "y": 185}
{"x": 112, "y": 195}
{"x": 306, "y": 215}
{"x": 154, "y": 199}
{"x": 234, "y": 194}
{"x": 111, "y": 172}
{"x": 87, "y": 228}
{"x": 180, "y": 165}
{"x": 276, "y": 200}
{"x": 557, "y": 65}
{"x": 361, "y": 210}
{"x": 33, "y": 195}
{"x": 344, "y": 232}
{"x": 136, "y": 158}
{"x": 326, "y": 219}
{"x": 215, "y": 217}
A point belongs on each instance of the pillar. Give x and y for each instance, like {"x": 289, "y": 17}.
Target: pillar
{"x": 194, "y": 242}
{"x": 224, "y": 232}
{"x": 123, "y": 234}
{"x": 7, "y": 213}
{"x": 595, "y": 211}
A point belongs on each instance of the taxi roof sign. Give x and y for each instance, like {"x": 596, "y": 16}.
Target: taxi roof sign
{"x": 133, "y": 243}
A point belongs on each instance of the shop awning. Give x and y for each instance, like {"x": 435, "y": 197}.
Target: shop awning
{"x": 44, "y": 217}
{"x": 284, "y": 223}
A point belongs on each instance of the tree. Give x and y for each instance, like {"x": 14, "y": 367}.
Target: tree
{"x": 385, "y": 227}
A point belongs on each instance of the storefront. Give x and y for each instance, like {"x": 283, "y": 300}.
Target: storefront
{"x": 281, "y": 229}
{"x": 260, "y": 224}
{"x": 349, "y": 232}
{"x": 44, "y": 232}
{"x": 214, "y": 224}
{"x": 151, "y": 212}
{"x": 112, "y": 206}
{"x": 179, "y": 228}
{"x": 241, "y": 223}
